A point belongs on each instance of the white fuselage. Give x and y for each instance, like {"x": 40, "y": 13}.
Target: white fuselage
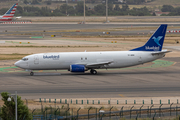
{"x": 63, "y": 60}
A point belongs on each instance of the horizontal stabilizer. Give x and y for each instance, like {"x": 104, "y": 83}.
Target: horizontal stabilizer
{"x": 160, "y": 52}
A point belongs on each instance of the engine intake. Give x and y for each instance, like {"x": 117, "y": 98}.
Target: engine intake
{"x": 77, "y": 68}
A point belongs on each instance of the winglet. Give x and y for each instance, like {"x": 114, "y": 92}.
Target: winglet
{"x": 156, "y": 41}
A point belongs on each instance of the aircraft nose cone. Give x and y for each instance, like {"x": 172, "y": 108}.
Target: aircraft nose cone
{"x": 17, "y": 64}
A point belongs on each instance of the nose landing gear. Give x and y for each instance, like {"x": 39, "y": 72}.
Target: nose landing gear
{"x": 31, "y": 73}
{"x": 92, "y": 71}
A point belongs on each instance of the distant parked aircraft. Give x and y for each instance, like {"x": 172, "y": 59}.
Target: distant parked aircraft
{"x": 8, "y": 16}
{"x": 84, "y": 61}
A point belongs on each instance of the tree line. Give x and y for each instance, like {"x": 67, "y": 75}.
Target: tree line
{"x": 87, "y": 1}
{"x": 174, "y": 11}
{"x": 78, "y": 10}
{"x": 7, "y": 0}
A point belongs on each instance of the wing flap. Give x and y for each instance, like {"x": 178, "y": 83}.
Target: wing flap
{"x": 98, "y": 64}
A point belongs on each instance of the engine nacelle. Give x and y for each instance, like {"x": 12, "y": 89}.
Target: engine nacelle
{"x": 77, "y": 68}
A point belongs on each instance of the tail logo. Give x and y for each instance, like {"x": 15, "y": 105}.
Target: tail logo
{"x": 156, "y": 40}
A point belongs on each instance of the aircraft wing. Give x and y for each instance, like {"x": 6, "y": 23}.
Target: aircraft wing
{"x": 160, "y": 52}
{"x": 98, "y": 64}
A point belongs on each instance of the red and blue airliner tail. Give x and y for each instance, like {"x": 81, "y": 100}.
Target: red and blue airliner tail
{"x": 8, "y": 16}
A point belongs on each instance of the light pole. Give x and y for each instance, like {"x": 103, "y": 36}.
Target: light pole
{"x": 66, "y": 6}
{"x": 84, "y": 11}
{"x": 107, "y": 11}
{"x": 66, "y": 1}
{"x": 15, "y": 99}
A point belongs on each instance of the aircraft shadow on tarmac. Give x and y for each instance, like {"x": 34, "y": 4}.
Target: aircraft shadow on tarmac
{"x": 99, "y": 73}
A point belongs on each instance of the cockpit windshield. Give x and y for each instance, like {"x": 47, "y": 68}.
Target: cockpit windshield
{"x": 25, "y": 59}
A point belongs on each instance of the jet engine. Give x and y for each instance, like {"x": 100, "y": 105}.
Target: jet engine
{"x": 77, "y": 68}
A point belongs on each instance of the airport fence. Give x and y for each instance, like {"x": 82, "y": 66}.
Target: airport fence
{"x": 100, "y": 113}
{"x": 52, "y": 109}
{"x": 109, "y": 101}
{"x": 95, "y": 112}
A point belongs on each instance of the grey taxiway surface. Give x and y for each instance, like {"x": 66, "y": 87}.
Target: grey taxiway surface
{"x": 39, "y": 28}
{"x": 64, "y": 26}
{"x": 147, "y": 82}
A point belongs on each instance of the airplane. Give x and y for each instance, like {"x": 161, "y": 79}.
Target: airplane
{"x": 8, "y": 16}
{"x": 84, "y": 61}
{"x": 19, "y": 17}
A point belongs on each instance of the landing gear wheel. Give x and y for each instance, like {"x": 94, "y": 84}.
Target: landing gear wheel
{"x": 91, "y": 71}
{"x": 94, "y": 72}
{"x": 31, "y": 73}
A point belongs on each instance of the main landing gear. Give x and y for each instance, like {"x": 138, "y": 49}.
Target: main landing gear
{"x": 94, "y": 72}
{"x": 31, "y": 73}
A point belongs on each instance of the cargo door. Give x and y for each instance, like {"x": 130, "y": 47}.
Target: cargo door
{"x": 36, "y": 59}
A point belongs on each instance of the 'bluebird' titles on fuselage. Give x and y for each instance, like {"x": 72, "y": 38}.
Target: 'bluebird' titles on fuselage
{"x": 54, "y": 57}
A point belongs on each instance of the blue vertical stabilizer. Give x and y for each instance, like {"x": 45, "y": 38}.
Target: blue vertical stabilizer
{"x": 155, "y": 43}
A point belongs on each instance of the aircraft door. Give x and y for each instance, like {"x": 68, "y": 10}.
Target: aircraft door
{"x": 36, "y": 59}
